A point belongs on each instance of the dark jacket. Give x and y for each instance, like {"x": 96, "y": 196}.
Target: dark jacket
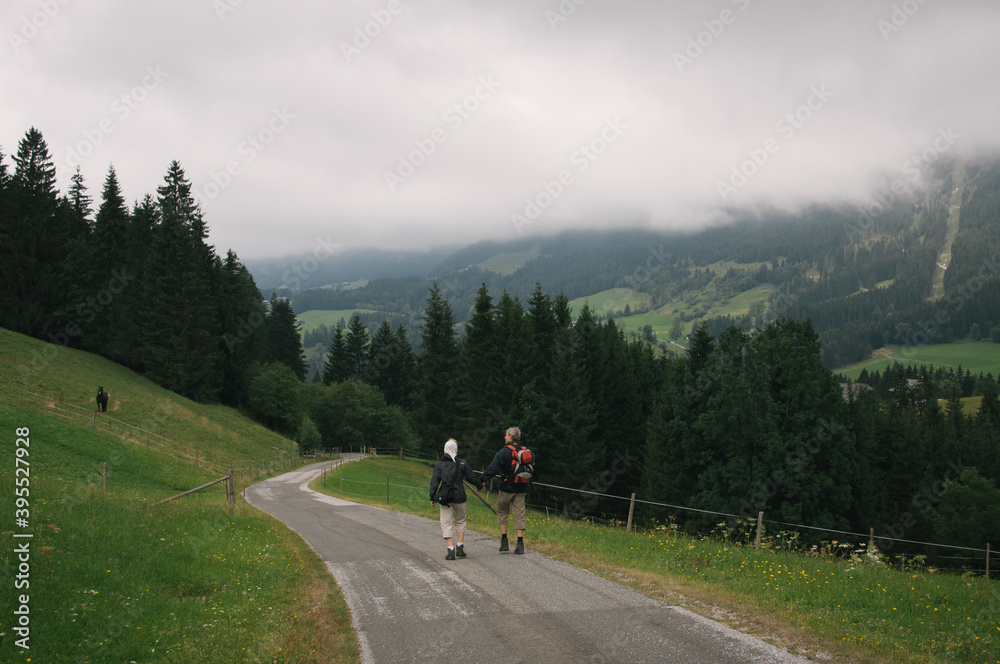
{"x": 447, "y": 479}
{"x": 501, "y": 466}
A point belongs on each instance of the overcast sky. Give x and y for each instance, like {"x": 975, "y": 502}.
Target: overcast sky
{"x": 412, "y": 123}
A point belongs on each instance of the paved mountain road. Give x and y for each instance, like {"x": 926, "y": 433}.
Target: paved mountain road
{"x": 410, "y": 605}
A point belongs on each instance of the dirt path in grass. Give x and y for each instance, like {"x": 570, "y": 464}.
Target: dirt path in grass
{"x": 411, "y": 605}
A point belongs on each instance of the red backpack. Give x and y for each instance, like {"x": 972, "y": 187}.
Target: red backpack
{"x": 522, "y": 464}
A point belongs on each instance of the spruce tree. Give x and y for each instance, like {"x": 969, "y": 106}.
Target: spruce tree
{"x": 284, "y": 343}
{"x": 109, "y": 332}
{"x": 381, "y": 356}
{"x": 337, "y": 368}
{"x": 182, "y": 330}
{"x": 78, "y": 197}
{"x": 699, "y": 349}
{"x": 78, "y": 302}
{"x": 542, "y": 328}
{"x": 242, "y": 321}
{"x": 4, "y": 180}
{"x": 357, "y": 341}
{"x": 436, "y": 395}
{"x": 145, "y": 217}
{"x": 391, "y": 364}
{"x": 403, "y": 371}
{"x": 482, "y": 365}
{"x": 512, "y": 343}
{"x": 30, "y": 282}
{"x": 810, "y": 444}
{"x": 571, "y": 459}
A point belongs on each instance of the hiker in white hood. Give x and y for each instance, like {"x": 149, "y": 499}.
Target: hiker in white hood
{"x": 448, "y": 492}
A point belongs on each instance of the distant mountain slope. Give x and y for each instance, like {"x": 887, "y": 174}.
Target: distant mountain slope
{"x": 290, "y": 274}
{"x": 866, "y": 276}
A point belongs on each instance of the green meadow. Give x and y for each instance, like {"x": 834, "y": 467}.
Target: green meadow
{"x": 610, "y": 301}
{"x": 976, "y": 356}
{"x": 694, "y": 307}
{"x": 329, "y": 317}
{"x": 507, "y": 263}
{"x": 115, "y": 577}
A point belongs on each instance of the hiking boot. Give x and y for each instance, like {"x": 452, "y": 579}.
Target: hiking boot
{"x": 460, "y": 551}
{"x": 451, "y": 554}
{"x": 503, "y": 545}
{"x": 519, "y": 547}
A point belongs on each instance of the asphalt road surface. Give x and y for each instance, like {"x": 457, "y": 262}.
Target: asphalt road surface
{"x": 411, "y": 605}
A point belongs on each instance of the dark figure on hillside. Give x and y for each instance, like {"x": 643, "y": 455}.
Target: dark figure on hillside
{"x": 102, "y": 399}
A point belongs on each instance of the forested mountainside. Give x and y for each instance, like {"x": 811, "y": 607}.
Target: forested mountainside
{"x": 908, "y": 270}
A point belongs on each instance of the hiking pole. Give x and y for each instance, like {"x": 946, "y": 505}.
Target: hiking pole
{"x": 478, "y": 495}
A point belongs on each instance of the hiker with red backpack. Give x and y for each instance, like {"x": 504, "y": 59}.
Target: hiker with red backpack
{"x": 514, "y": 463}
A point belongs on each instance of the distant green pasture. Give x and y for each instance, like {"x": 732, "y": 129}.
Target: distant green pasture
{"x": 506, "y": 264}
{"x": 611, "y": 300}
{"x": 329, "y": 317}
{"x": 662, "y": 319}
{"x": 976, "y": 356}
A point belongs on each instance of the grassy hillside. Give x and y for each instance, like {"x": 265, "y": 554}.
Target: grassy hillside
{"x": 610, "y": 301}
{"x": 507, "y": 263}
{"x": 689, "y": 306}
{"x": 831, "y": 603}
{"x": 118, "y": 578}
{"x": 60, "y": 380}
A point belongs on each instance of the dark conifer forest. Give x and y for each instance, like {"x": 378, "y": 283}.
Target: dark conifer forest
{"x": 751, "y": 418}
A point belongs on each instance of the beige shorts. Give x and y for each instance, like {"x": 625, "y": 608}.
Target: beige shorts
{"x": 452, "y": 519}
{"x": 503, "y": 509}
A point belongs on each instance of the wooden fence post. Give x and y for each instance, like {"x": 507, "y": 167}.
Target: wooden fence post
{"x": 871, "y": 538}
{"x": 760, "y": 529}
{"x": 987, "y": 561}
{"x": 631, "y": 509}
{"x": 231, "y": 485}
{"x": 106, "y": 485}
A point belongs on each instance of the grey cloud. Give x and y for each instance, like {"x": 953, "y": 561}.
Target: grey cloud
{"x": 703, "y": 87}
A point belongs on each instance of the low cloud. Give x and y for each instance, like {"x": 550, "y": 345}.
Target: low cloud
{"x": 806, "y": 103}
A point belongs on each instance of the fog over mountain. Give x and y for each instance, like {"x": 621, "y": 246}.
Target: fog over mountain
{"x": 404, "y": 125}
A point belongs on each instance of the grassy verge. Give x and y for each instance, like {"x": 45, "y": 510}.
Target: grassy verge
{"x": 827, "y": 604}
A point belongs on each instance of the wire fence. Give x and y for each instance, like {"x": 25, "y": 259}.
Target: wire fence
{"x": 983, "y": 563}
{"x": 873, "y": 541}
